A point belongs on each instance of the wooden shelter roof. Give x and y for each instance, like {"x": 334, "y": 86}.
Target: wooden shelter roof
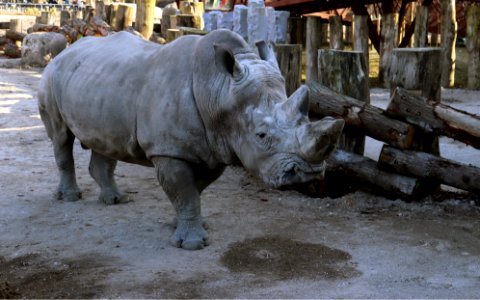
{"x": 299, "y": 7}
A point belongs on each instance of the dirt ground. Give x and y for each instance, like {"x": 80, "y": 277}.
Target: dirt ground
{"x": 265, "y": 243}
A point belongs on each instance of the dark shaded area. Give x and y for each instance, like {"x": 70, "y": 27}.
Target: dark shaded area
{"x": 283, "y": 258}
{"x": 32, "y": 276}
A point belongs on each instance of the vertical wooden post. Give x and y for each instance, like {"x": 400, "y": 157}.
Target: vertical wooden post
{"x": 123, "y": 17}
{"x": 168, "y": 11}
{"x": 65, "y": 17}
{"x": 360, "y": 36}
{"x": 289, "y": 59}
{"x": 421, "y": 27}
{"x": 144, "y": 18}
{"x": 46, "y": 18}
{"x": 417, "y": 69}
{"x": 449, "y": 36}
{"x": 16, "y": 25}
{"x": 473, "y": 46}
{"x": 314, "y": 29}
{"x": 100, "y": 9}
{"x": 388, "y": 36}
{"x": 345, "y": 72}
{"x": 336, "y": 32}
{"x": 296, "y": 29}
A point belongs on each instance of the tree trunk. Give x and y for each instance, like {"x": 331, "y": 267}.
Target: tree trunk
{"x": 473, "y": 46}
{"x": 314, "y": 29}
{"x": 436, "y": 118}
{"x": 428, "y": 166}
{"x": 421, "y": 27}
{"x": 336, "y": 32}
{"x": 365, "y": 170}
{"x": 345, "y": 72}
{"x": 388, "y": 42}
{"x": 289, "y": 59}
{"x": 144, "y": 18}
{"x": 449, "y": 36}
{"x": 360, "y": 37}
{"x": 417, "y": 69}
{"x": 363, "y": 117}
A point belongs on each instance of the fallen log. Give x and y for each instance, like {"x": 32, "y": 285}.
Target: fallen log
{"x": 429, "y": 166}
{"x": 12, "y": 50}
{"x": 365, "y": 170}
{"x": 438, "y": 118}
{"x": 365, "y": 118}
{"x": 43, "y": 28}
{"x": 14, "y": 35}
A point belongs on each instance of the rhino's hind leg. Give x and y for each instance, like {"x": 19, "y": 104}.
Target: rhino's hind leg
{"x": 102, "y": 170}
{"x": 177, "y": 179}
{"x": 62, "y": 140}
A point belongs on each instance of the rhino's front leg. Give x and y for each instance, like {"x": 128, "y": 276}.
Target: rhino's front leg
{"x": 178, "y": 181}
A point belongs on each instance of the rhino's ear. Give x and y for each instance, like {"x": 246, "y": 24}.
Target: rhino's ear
{"x": 225, "y": 61}
{"x": 266, "y": 52}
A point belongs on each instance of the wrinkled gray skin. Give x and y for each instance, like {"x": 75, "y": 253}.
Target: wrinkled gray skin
{"x": 188, "y": 108}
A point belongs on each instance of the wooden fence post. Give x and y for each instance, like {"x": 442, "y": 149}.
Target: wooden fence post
{"x": 449, "y": 36}
{"x": 100, "y": 9}
{"x": 421, "y": 27}
{"x": 473, "y": 46}
{"x": 336, "y": 32}
{"x": 144, "y": 17}
{"x": 417, "y": 69}
{"x": 289, "y": 59}
{"x": 65, "y": 17}
{"x": 388, "y": 36}
{"x": 296, "y": 30}
{"x": 360, "y": 37}
{"x": 345, "y": 72}
{"x": 314, "y": 29}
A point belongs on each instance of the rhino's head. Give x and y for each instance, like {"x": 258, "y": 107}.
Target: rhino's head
{"x": 270, "y": 133}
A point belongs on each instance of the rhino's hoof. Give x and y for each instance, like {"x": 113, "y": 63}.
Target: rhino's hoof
{"x": 113, "y": 197}
{"x": 68, "y": 195}
{"x": 190, "y": 235}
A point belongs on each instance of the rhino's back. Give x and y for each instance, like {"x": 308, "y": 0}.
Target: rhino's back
{"x": 124, "y": 97}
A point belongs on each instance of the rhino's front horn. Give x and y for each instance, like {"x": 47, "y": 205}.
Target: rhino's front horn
{"x": 318, "y": 139}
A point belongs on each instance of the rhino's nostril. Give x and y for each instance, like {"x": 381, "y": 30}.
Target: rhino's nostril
{"x": 291, "y": 172}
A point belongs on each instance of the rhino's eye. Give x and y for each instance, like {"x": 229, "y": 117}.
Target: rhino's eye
{"x": 261, "y": 135}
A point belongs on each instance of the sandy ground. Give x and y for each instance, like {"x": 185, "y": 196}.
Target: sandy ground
{"x": 265, "y": 243}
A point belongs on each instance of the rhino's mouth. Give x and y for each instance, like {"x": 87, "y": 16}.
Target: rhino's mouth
{"x": 291, "y": 170}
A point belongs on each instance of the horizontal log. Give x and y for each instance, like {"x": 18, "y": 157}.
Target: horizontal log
{"x": 438, "y": 118}
{"x": 365, "y": 169}
{"x": 364, "y": 117}
{"x": 14, "y": 35}
{"x": 5, "y": 25}
{"x": 429, "y": 166}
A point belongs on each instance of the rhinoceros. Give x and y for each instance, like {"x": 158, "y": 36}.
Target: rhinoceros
{"x": 188, "y": 108}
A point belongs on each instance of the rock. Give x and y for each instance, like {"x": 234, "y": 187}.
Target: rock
{"x": 12, "y": 50}
{"x": 40, "y": 47}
